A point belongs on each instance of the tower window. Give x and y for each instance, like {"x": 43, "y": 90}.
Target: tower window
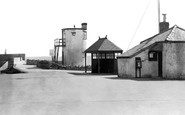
{"x": 73, "y": 33}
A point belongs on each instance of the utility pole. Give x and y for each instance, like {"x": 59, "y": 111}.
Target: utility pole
{"x": 158, "y": 14}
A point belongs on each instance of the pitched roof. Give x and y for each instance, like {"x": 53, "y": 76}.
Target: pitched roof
{"x": 103, "y": 45}
{"x": 173, "y": 34}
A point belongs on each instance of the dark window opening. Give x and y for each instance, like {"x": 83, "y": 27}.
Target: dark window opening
{"x": 73, "y": 33}
{"x": 152, "y": 56}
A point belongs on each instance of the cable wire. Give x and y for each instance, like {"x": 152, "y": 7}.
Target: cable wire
{"x": 139, "y": 23}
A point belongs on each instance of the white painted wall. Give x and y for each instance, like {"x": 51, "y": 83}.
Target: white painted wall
{"x": 174, "y": 60}
{"x": 126, "y": 66}
{"x": 75, "y": 45}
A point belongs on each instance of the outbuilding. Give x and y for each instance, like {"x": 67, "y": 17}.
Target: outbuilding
{"x": 103, "y": 56}
{"x": 162, "y": 55}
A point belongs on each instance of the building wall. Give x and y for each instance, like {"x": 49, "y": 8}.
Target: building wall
{"x": 126, "y": 66}
{"x": 174, "y": 60}
{"x": 75, "y": 45}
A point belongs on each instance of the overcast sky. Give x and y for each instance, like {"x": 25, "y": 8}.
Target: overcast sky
{"x": 30, "y": 26}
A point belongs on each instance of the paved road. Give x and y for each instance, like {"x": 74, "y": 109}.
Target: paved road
{"x": 59, "y": 92}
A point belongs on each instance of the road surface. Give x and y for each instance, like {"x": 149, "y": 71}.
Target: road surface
{"x": 61, "y": 92}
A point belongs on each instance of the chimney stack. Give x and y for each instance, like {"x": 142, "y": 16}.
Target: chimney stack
{"x": 163, "y": 26}
{"x": 84, "y": 26}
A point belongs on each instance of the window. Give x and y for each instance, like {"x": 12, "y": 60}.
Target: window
{"x": 102, "y": 56}
{"x": 98, "y": 56}
{"x": 73, "y": 32}
{"x": 110, "y": 56}
{"x": 152, "y": 56}
{"x": 94, "y": 56}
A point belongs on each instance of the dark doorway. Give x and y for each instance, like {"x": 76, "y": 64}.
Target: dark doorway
{"x": 160, "y": 67}
{"x": 105, "y": 65}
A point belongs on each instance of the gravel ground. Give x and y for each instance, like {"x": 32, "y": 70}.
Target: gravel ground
{"x": 61, "y": 92}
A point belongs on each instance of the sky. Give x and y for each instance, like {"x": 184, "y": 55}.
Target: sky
{"x": 30, "y": 26}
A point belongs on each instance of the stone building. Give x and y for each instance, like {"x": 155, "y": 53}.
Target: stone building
{"x": 161, "y": 55}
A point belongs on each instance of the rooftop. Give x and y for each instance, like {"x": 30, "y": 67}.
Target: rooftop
{"x": 103, "y": 45}
{"x": 173, "y": 34}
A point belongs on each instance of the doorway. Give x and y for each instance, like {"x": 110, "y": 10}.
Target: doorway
{"x": 160, "y": 65}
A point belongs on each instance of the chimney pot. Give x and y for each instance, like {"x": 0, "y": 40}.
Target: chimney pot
{"x": 84, "y": 26}
{"x": 164, "y": 17}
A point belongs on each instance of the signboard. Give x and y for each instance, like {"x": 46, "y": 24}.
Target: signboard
{"x": 51, "y": 52}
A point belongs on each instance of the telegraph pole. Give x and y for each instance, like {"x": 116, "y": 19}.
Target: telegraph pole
{"x": 158, "y": 14}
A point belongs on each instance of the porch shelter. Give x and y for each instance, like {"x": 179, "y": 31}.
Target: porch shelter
{"x": 103, "y": 56}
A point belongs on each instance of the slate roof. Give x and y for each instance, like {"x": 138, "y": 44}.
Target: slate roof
{"x": 103, "y": 45}
{"x": 173, "y": 34}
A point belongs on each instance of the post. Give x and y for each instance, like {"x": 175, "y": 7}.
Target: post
{"x": 62, "y": 47}
{"x": 91, "y": 62}
{"x": 159, "y": 15}
{"x": 98, "y": 62}
{"x": 85, "y": 64}
{"x": 54, "y": 53}
{"x": 62, "y": 56}
{"x": 57, "y": 53}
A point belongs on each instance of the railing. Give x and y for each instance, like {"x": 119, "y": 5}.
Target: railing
{"x": 60, "y": 42}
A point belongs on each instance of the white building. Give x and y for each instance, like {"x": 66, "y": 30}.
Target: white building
{"x": 73, "y": 45}
{"x": 161, "y": 55}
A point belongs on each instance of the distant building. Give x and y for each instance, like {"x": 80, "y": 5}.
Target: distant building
{"x": 10, "y": 59}
{"x": 161, "y": 55}
{"x": 103, "y": 56}
{"x": 73, "y": 45}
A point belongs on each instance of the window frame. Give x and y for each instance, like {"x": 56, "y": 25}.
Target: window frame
{"x": 154, "y": 57}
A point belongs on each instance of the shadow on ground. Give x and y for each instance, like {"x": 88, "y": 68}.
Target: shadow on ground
{"x": 32, "y": 68}
{"x": 12, "y": 70}
{"x": 89, "y": 74}
{"x": 143, "y": 79}
{"x": 115, "y": 77}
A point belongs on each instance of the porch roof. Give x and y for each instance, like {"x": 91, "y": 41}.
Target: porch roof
{"x": 103, "y": 45}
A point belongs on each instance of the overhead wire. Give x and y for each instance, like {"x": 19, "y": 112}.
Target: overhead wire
{"x": 146, "y": 8}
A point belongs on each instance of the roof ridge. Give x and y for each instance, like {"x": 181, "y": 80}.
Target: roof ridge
{"x": 151, "y": 38}
{"x": 103, "y": 39}
{"x": 103, "y": 45}
{"x": 148, "y": 42}
{"x": 180, "y": 28}
{"x": 157, "y": 34}
{"x": 172, "y": 31}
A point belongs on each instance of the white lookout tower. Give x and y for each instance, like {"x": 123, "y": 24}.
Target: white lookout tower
{"x": 73, "y": 45}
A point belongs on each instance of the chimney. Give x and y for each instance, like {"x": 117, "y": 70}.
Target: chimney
{"x": 163, "y": 26}
{"x": 84, "y": 26}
